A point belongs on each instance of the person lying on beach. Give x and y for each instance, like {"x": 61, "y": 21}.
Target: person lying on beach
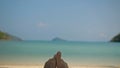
{"x": 56, "y": 62}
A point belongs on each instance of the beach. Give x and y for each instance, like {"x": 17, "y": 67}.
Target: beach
{"x": 34, "y": 54}
{"x": 41, "y": 66}
{"x": 21, "y": 66}
{"x": 86, "y": 33}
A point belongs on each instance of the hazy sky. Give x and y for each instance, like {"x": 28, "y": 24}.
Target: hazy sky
{"x": 75, "y": 20}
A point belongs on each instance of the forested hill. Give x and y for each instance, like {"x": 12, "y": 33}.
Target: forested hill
{"x": 6, "y": 36}
{"x": 116, "y": 38}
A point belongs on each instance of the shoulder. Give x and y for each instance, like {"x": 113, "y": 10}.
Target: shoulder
{"x": 52, "y": 60}
{"x": 64, "y": 63}
{"x": 50, "y": 63}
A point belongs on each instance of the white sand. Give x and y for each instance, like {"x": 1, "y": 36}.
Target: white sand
{"x": 41, "y": 66}
{"x": 21, "y": 66}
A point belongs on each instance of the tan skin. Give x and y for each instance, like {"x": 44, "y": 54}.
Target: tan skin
{"x": 58, "y": 60}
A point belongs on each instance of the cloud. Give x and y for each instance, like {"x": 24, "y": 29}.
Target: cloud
{"x": 103, "y": 35}
{"x": 41, "y": 24}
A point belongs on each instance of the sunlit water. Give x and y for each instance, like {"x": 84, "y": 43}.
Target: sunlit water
{"x": 76, "y": 54}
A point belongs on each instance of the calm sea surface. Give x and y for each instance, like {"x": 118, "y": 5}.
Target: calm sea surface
{"x": 78, "y": 53}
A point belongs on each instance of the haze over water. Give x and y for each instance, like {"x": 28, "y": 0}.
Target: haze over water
{"x": 80, "y": 20}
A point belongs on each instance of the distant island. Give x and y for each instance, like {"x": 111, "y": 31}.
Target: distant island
{"x": 6, "y": 36}
{"x": 58, "y": 39}
{"x": 116, "y": 38}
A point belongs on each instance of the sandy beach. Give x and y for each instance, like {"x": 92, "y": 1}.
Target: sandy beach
{"x": 70, "y": 66}
{"x": 21, "y": 66}
{"x": 33, "y": 54}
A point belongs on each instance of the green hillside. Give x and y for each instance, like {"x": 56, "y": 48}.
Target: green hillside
{"x": 5, "y": 36}
{"x": 116, "y": 38}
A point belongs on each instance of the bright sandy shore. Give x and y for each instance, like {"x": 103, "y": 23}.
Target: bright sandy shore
{"x": 41, "y": 66}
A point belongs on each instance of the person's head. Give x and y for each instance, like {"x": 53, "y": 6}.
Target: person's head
{"x": 59, "y": 54}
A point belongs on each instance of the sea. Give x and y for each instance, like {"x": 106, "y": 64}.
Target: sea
{"x": 74, "y": 53}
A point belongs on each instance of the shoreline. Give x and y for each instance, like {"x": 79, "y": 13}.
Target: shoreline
{"x": 41, "y": 66}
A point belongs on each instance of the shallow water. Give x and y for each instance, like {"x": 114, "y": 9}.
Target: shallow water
{"x": 74, "y": 53}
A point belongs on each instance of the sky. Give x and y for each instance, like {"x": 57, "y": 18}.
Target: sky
{"x": 74, "y": 20}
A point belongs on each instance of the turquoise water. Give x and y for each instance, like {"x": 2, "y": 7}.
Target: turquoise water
{"x": 38, "y": 52}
